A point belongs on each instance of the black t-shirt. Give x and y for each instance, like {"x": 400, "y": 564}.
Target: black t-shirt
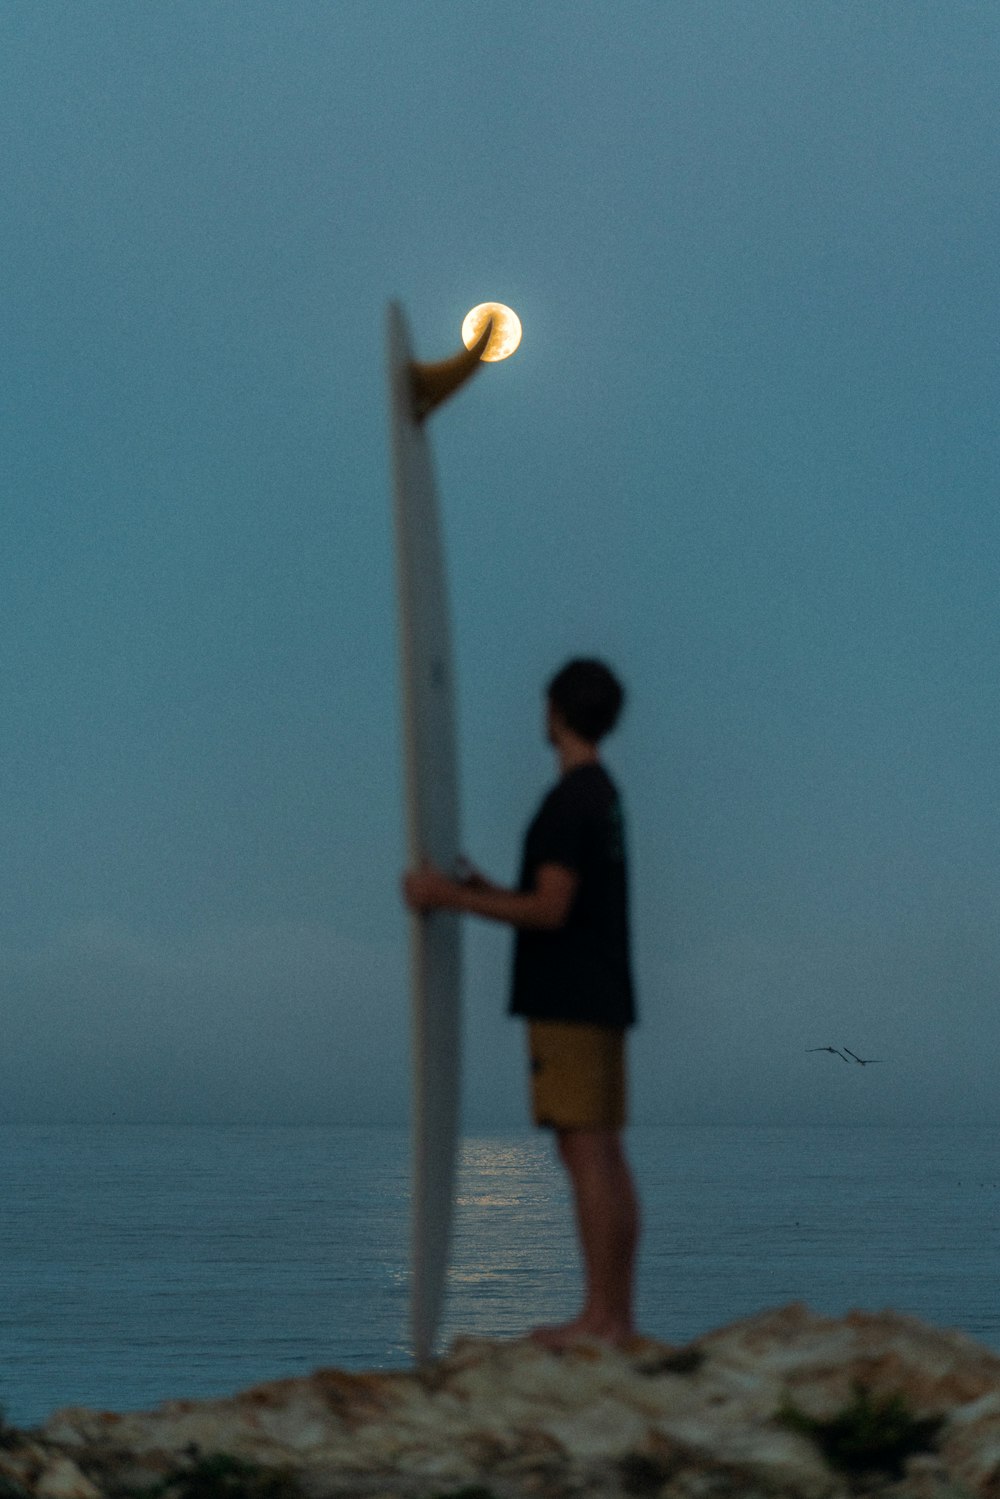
{"x": 580, "y": 971}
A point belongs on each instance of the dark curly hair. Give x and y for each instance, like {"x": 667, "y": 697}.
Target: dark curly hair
{"x": 588, "y": 698}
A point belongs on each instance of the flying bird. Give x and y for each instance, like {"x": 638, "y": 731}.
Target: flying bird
{"x": 864, "y": 1061}
{"x": 836, "y": 1053}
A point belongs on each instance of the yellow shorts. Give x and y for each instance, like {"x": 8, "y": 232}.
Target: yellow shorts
{"x": 577, "y": 1075}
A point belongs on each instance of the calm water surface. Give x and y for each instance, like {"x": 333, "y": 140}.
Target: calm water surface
{"x": 141, "y": 1262}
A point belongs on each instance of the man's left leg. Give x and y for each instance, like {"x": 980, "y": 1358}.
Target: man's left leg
{"x": 607, "y": 1219}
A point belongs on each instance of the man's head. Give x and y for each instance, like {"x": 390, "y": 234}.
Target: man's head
{"x": 587, "y": 698}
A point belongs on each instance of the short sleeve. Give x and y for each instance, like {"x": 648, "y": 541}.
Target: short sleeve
{"x": 561, "y": 837}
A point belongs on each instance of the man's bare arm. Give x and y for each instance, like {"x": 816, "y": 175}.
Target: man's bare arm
{"x": 545, "y": 908}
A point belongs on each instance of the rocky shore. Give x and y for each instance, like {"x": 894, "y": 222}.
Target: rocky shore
{"x": 784, "y": 1404}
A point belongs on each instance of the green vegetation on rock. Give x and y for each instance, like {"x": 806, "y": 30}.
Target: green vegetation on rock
{"x": 871, "y": 1433}
{"x": 476, "y": 1491}
{"x": 222, "y": 1477}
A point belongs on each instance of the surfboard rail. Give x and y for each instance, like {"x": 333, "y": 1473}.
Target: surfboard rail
{"x": 431, "y": 779}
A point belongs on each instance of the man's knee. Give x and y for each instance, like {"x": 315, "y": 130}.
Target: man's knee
{"x": 582, "y": 1149}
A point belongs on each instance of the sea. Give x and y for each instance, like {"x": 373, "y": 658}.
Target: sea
{"x": 147, "y": 1262}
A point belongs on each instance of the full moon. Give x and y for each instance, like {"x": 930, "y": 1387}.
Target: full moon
{"x": 506, "y": 333}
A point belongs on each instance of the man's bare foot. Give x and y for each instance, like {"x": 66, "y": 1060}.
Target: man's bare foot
{"x": 584, "y": 1329}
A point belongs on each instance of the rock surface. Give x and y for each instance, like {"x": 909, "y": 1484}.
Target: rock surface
{"x": 511, "y": 1420}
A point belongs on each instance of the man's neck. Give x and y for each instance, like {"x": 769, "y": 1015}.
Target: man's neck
{"x": 574, "y": 752}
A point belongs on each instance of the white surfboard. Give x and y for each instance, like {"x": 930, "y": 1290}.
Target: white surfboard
{"x": 432, "y": 811}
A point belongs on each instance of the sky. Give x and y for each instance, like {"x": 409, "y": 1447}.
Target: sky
{"x": 747, "y": 453}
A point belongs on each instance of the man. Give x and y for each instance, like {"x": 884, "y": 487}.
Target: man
{"x": 572, "y": 982}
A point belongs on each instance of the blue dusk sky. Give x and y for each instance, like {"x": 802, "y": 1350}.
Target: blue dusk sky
{"x": 747, "y": 452}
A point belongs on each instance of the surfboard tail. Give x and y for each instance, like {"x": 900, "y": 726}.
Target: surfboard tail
{"x": 437, "y": 1065}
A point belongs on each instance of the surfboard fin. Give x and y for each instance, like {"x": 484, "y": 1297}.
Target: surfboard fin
{"x": 430, "y": 384}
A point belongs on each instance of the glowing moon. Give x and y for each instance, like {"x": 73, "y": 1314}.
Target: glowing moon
{"x": 506, "y": 333}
